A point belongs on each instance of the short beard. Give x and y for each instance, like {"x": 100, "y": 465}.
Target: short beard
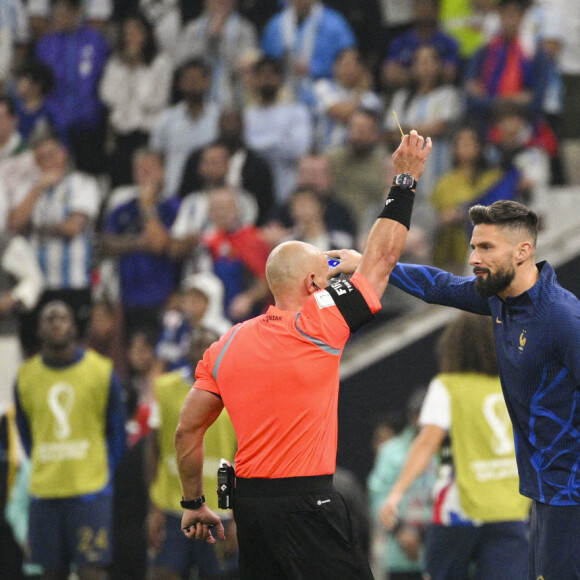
{"x": 493, "y": 284}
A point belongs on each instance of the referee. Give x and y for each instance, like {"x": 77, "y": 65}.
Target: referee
{"x": 278, "y": 377}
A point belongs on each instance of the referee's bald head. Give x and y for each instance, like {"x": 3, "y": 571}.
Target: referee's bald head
{"x": 290, "y": 263}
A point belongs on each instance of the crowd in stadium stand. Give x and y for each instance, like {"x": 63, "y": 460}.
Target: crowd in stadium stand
{"x": 153, "y": 152}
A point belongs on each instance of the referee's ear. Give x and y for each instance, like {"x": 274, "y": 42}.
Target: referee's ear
{"x": 311, "y": 285}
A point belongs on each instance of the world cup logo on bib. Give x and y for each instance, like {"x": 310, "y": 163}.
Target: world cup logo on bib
{"x": 497, "y": 418}
{"x": 60, "y": 401}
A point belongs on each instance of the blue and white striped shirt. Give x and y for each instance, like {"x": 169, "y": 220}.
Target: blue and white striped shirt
{"x": 66, "y": 262}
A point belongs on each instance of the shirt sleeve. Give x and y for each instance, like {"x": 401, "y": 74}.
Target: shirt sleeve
{"x": 436, "y": 286}
{"x": 436, "y": 409}
{"x": 204, "y": 378}
{"x": 20, "y": 260}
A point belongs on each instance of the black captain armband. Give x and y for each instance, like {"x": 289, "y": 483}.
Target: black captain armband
{"x": 399, "y": 205}
{"x": 351, "y": 304}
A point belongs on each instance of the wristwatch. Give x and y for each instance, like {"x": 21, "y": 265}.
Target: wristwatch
{"x": 405, "y": 181}
{"x": 192, "y": 504}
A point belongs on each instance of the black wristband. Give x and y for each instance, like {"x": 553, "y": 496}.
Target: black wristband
{"x": 192, "y": 504}
{"x": 399, "y": 205}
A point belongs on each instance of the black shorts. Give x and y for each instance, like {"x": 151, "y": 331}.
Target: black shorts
{"x": 295, "y": 528}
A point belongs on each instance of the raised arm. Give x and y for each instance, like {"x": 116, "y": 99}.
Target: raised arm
{"x": 387, "y": 237}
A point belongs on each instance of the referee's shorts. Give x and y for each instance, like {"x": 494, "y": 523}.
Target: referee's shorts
{"x": 295, "y": 528}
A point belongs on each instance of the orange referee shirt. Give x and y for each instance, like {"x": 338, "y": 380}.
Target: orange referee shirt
{"x": 278, "y": 377}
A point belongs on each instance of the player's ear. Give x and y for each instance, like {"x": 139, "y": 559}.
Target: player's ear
{"x": 524, "y": 251}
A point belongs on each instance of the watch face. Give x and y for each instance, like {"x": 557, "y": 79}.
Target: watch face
{"x": 404, "y": 180}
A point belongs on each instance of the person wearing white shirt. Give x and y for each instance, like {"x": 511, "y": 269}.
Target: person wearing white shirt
{"x": 21, "y": 284}
{"x": 220, "y": 35}
{"x": 136, "y": 86}
{"x": 187, "y": 126}
{"x": 338, "y": 98}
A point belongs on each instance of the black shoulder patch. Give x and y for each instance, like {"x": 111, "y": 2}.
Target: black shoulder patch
{"x": 351, "y": 303}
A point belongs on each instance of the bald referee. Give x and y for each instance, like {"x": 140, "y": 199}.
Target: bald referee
{"x": 277, "y": 375}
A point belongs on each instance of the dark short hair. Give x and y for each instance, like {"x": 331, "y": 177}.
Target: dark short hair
{"x": 195, "y": 62}
{"x": 506, "y": 213}
{"x": 269, "y": 62}
{"x": 38, "y": 73}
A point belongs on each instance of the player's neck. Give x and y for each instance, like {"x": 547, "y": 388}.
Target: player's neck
{"x": 525, "y": 278}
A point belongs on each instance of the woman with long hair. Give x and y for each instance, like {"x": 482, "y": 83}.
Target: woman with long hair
{"x": 136, "y": 86}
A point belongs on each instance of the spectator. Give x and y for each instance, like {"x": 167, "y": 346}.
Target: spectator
{"x": 71, "y": 421}
{"x": 467, "y": 23}
{"x": 60, "y": 208}
{"x": 33, "y": 83}
{"x": 471, "y": 178}
{"x": 96, "y": 12}
{"x": 165, "y": 17}
{"x": 246, "y": 169}
{"x": 280, "y": 132}
{"x": 10, "y": 139}
{"x": 104, "y": 334}
{"x": 220, "y": 35}
{"x": 307, "y": 213}
{"x": 15, "y": 172}
{"x": 239, "y": 254}
{"x": 502, "y": 73}
{"x": 358, "y": 168}
{"x": 308, "y": 36}
{"x": 13, "y": 38}
{"x": 338, "y": 98}
{"x": 478, "y": 516}
{"x": 426, "y": 30}
{"x": 187, "y": 126}
{"x": 403, "y": 558}
{"x": 76, "y": 55}
{"x": 143, "y": 370}
{"x": 135, "y": 87}
{"x": 200, "y": 305}
{"x": 569, "y": 64}
{"x": 193, "y": 218}
{"x": 21, "y": 284}
{"x": 433, "y": 108}
{"x": 173, "y": 555}
{"x": 137, "y": 234}
{"x": 516, "y": 146}
{"x": 315, "y": 170}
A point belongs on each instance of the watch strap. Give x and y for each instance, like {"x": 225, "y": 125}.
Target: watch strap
{"x": 192, "y": 504}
